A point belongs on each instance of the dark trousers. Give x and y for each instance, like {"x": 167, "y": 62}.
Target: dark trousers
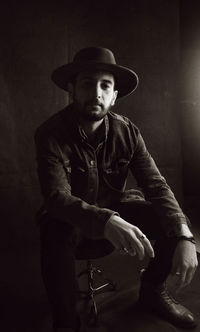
{"x": 58, "y": 252}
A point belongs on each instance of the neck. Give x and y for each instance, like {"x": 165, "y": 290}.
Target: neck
{"x": 91, "y": 127}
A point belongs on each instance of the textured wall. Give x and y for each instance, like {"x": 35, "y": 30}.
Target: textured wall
{"x": 38, "y": 37}
{"x": 190, "y": 95}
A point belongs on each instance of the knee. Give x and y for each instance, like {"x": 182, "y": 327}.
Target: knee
{"x": 57, "y": 236}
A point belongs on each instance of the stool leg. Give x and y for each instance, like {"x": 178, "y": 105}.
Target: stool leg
{"x": 108, "y": 282}
{"x": 93, "y": 314}
{"x": 90, "y": 311}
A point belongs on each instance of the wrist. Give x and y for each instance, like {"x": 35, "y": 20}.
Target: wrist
{"x": 186, "y": 238}
{"x": 109, "y": 224}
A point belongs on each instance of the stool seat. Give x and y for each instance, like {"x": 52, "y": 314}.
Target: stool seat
{"x": 93, "y": 249}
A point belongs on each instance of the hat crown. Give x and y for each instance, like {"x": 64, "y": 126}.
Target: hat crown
{"x": 96, "y": 59}
{"x": 95, "y": 54}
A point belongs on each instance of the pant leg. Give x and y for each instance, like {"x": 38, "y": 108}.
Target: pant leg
{"x": 57, "y": 248}
{"x": 141, "y": 214}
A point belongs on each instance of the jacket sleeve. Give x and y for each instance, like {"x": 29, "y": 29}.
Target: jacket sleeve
{"x": 56, "y": 190}
{"x": 156, "y": 190}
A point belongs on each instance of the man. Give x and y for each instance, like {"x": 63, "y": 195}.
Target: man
{"x": 84, "y": 153}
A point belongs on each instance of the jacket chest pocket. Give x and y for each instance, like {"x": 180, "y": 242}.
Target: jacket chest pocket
{"x": 115, "y": 175}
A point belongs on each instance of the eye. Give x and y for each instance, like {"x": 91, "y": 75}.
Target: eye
{"x": 106, "y": 86}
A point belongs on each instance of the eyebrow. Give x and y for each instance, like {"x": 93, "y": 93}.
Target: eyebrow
{"x": 108, "y": 81}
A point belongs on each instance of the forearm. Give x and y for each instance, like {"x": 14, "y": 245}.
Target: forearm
{"x": 174, "y": 221}
{"x": 89, "y": 218}
{"x": 157, "y": 191}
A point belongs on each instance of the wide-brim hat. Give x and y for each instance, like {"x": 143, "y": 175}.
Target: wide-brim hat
{"x": 96, "y": 58}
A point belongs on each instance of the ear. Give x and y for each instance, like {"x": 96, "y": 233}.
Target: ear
{"x": 115, "y": 93}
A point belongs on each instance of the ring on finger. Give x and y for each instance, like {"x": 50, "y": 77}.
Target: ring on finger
{"x": 123, "y": 250}
{"x": 130, "y": 251}
{"x": 142, "y": 237}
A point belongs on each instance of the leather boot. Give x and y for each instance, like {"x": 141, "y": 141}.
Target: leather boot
{"x": 158, "y": 300}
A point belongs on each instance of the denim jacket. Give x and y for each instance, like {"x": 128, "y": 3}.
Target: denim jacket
{"x": 80, "y": 181}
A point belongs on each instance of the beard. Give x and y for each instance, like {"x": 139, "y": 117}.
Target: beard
{"x": 91, "y": 111}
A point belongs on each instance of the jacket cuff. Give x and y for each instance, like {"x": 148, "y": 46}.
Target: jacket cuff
{"x": 177, "y": 225}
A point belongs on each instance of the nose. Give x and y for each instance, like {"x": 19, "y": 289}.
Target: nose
{"x": 97, "y": 91}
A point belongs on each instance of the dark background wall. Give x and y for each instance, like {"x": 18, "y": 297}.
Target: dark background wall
{"x": 38, "y": 37}
{"x": 190, "y": 95}
{"x": 35, "y": 38}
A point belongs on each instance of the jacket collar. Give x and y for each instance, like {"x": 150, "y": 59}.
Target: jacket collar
{"x": 70, "y": 117}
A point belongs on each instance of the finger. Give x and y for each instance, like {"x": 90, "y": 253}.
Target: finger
{"x": 176, "y": 281}
{"x": 131, "y": 251}
{"x": 147, "y": 245}
{"x": 189, "y": 275}
{"x": 175, "y": 270}
{"x": 127, "y": 251}
{"x": 126, "y": 247}
{"x": 123, "y": 251}
{"x": 181, "y": 279}
{"x": 138, "y": 247}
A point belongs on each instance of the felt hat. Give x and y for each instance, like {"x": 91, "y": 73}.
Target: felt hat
{"x": 96, "y": 58}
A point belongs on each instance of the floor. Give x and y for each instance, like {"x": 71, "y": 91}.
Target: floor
{"x": 24, "y": 306}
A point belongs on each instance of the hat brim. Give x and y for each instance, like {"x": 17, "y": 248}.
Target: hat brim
{"x": 126, "y": 80}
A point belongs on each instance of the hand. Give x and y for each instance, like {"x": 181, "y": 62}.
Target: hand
{"x": 123, "y": 235}
{"x": 184, "y": 263}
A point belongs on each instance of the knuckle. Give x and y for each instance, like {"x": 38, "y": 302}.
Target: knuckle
{"x": 136, "y": 229}
{"x": 133, "y": 227}
{"x": 193, "y": 266}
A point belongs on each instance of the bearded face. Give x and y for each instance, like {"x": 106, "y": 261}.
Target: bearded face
{"x": 93, "y": 94}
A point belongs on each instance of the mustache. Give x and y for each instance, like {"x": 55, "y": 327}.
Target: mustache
{"x": 94, "y": 103}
